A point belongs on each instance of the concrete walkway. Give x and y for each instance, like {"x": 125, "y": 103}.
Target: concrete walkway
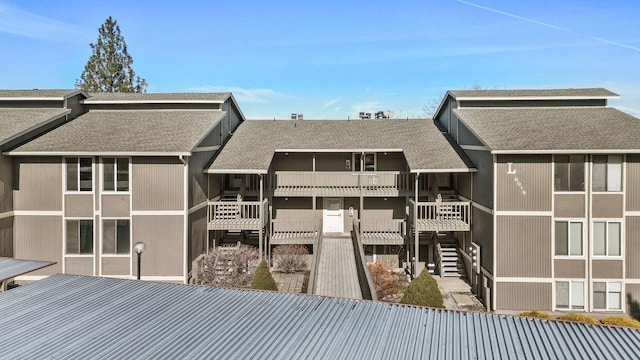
{"x": 456, "y": 294}
{"x": 337, "y": 274}
{"x": 290, "y": 283}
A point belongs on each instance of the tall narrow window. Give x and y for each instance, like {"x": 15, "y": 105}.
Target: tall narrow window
{"x": 569, "y": 237}
{"x": 569, "y": 173}
{"x": 607, "y": 173}
{"x": 607, "y": 237}
{"x": 116, "y": 174}
{"x": 79, "y": 174}
{"x": 368, "y": 161}
{"x": 79, "y": 239}
{"x": 116, "y": 237}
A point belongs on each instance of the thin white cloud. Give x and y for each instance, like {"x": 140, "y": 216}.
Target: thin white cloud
{"x": 330, "y": 103}
{"x": 244, "y": 95}
{"x": 16, "y": 21}
{"x": 551, "y": 26}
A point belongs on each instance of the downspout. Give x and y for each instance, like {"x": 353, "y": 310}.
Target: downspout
{"x": 185, "y": 216}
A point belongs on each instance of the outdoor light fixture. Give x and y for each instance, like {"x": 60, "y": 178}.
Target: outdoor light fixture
{"x": 139, "y": 248}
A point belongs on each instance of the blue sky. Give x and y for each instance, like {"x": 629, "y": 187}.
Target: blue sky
{"x": 332, "y": 59}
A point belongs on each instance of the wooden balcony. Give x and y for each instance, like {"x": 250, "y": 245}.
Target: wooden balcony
{"x": 294, "y": 231}
{"x": 440, "y": 216}
{"x": 341, "y": 183}
{"x": 238, "y": 215}
{"x": 382, "y": 231}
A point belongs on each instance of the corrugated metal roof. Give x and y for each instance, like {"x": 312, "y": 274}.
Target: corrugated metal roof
{"x": 254, "y": 142}
{"x": 17, "y": 121}
{"x": 78, "y": 317}
{"x": 10, "y": 268}
{"x": 593, "y": 93}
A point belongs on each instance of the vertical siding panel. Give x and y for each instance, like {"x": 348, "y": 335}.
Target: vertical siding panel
{"x": 523, "y": 296}
{"x": 6, "y": 237}
{"x": 6, "y": 184}
{"x": 79, "y": 266}
{"x": 523, "y": 246}
{"x": 40, "y": 184}
{"x": 40, "y": 239}
{"x": 633, "y": 183}
{"x": 157, "y": 184}
{"x": 197, "y": 234}
{"x": 632, "y": 247}
{"x": 164, "y": 237}
{"x": 482, "y": 230}
{"x": 533, "y": 173}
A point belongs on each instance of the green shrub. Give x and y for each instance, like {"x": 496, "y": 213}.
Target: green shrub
{"x": 262, "y": 279}
{"x": 621, "y": 321}
{"x": 537, "y": 315}
{"x": 577, "y": 317}
{"x": 423, "y": 291}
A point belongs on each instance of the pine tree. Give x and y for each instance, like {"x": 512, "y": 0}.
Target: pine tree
{"x": 109, "y": 66}
{"x": 262, "y": 279}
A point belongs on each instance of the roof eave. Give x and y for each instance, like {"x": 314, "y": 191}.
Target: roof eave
{"x": 126, "y": 102}
{"x": 97, "y": 153}
{"x": 516, "y": 98}
{"x": 565, "y": 151}
{"x": 236, "y": 171}
{"x": 452, "y": 170}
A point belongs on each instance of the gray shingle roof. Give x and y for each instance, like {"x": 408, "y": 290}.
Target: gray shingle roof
{"x": 254, "y": 142}
{"x": 84, "y": 317}
{"x": 593, "y": 93}
{"x": 10, "y": 268}
{"x": 584, "y": 129}
{"x": 127, "y": 132}
{"x": 15, "y": 122}
{"x": 158, "y": 97}
{"x": 54, "y": 94}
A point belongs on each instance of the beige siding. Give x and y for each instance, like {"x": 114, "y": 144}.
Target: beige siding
{"x": 116, "y": 266}
{"x": 392, "y": 161}
{"x": 523, "y": 245}
{"x": 6, "y": 184}
{"x": 633, "y": 299}
{"x": 197, "y": 178}
{"x": 79, "y": 265}
{"x": 97, "y": 189}
{"x": 529, "y": 188}
{"x": 215, "y": 185}
{"x": 569, "y": 206}
{"x": 607, "y": 206}
{"x": 483, "y": 179}
{"x": 157, "y": 184}
{"x": 569, "y": 269}
{"x": 292, "y": 162}
{"x": 523, "y": 296}
{"x": 633, "y": 182}
{"x": 115, "y": 205}
{"x": 164, "y": 237}
{"x": 379, "y": 208}
{"x": 606, "y": 269}
{"x": 333, "y": 162}
{"x": 294, "y": 208}
{"x": 463, "y": 184}
{"x": 40, "y": 185}
{"x": 197, "y": 234}
{"x": 78, "y": 205}
{"x": 632, "y": 247}
{"x": 6, "y": 237}
{"x": 482, "y": 232}
{"x": 40, "y": 238}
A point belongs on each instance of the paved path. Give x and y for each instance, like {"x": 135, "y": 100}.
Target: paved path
{"x": 337, "y": 274}
{"x": 290, "y": 283}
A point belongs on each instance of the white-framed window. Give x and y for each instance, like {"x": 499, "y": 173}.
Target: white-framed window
{"x": 569, "y": 238}
{"x": 569, "y": 172}
{"x": 570, "y": 295}
{"x": 79, "y": 174}
{"x": 115, "y": 174}
{"x": 368, "y": 161}
{"x": 116, "y": 237}
{"x": 607, "y": 238}
{"x": 607, "y": 295}
{"x": 79, "y": 237}
{"x": 607, "y": 173}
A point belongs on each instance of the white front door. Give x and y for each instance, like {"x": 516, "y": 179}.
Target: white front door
{"x": 333, "y": 216}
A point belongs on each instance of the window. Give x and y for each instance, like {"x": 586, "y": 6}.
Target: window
{"x": 79, "y": 174}
{"x": 569, "y": 237}
{"x": 569, "y": 173}
{"x": 570, "y": 295}
{"x": 607, "y": 295}
{"x": 116, "y": 174}
{"x": 607, "y": 238}
{"x": 607, "y": 172}
{"x": 369, "y": 162}
{"x": 79, "y": 237}
{"x": 116, "y": 237}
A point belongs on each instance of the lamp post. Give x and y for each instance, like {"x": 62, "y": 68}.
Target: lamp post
{"x": 139, "y": 249}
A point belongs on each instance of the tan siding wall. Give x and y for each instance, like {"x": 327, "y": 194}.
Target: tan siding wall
{"x": 632, "y": 247}
{"x": 157, "y": 184}
{"x": 333, "y": 162}
{"x": 393, "y": 161}
{"x": 96, "y": 186}
{"x": 40, "y": 238}
{"x": 633, "y": 299}
{"x": 523, "y": 246}
{"x": 115, "y": 205}
{"x": 292, "y": 162}
{"x": 215, "y": 185}
{"x": 197, "y": 178}
{"x": 633, "y": 182}
{"x": 569, "y": 269}
{"x": 523, "y": 296}
{"x": 78, "y": 205}
{"x": 348, "y": 220}
{"x": 163, "y": 236}
{"x": 40, "y": 185}
{"x": 116, "y": 266}
{"x": 607, "y": 206}
{"x": 294, "y": 208}
{"x": 569, "y": 206}
{"x": 464, "y": 184}
{"x": 378, "y": 208}
{"x": 533, "y": 172}
{"x": 79, "y": 266}
{"x": 6, "y": 184}
{"x": 6, "y": 237}
{"x": 482, "y": 232}
{"x": 606, "y": 269}
{"x": 197, "y": 234}
{"x": 483, "y": 179}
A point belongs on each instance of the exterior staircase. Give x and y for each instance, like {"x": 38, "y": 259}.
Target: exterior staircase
{"x": 450, "y": 263}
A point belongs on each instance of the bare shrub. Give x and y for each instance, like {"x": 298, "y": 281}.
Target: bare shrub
{"x": 229, "y": 266}
{"x": 384, "y": 282}
{"x": 290, "y": 258}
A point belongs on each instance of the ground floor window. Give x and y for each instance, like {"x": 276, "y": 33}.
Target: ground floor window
{"x": 116, "y": 237}
{"x": 607, "y": 295}
{"x": 79, "y": 238}
{"x": 570, "y": 295}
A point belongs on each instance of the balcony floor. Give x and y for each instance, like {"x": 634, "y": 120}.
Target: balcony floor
{"x": 442, "y": 225}
{"x": 382, "y": 238}
{"x": 234, "y": 224}
{"x": 293, "y": 237}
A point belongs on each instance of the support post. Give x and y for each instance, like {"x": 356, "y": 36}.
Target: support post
{"x": 416, "y": 236}
{"x": 260, "y": 247}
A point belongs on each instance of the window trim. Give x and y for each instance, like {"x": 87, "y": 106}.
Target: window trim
{"x": 77, "y": 163}
{"x": 571, "y": 306}
{"x": 606, "y": 247}
{"x": 569, "y": 221}
{"x": 606, "y": 296}
{"x": 584, "y": 172}
{"x": 114, "y": 255}
{"x": 606, "y": 175}
{"x": 64, "y": 239}
{"x": 115, "y": 175}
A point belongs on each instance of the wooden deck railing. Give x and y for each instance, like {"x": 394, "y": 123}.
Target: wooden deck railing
{"x": 440, "y": 216}
{"x": 341, "y": 180}
{"x": 242, "y": 215}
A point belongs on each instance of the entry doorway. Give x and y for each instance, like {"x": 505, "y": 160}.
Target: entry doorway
{"x": 333, "y": 216}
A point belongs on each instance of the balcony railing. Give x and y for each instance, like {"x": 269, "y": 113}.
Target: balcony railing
{"x": 238, "y": 215}
{"x": 340, "y": 183}
{"x": 294, "y": 231}
{"x": 440, "y": 215}
{"x": 382, "y": 231}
